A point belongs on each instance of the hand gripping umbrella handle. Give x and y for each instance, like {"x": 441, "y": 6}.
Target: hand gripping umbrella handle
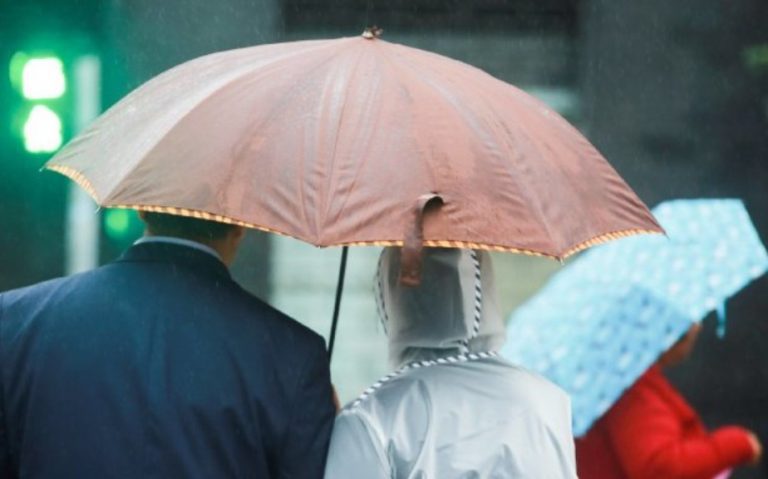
{"x": 410, "y": 258}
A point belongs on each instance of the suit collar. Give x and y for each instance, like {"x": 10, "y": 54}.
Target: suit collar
{"x": 163, "y": 252}
{"x": 178, "y": 241}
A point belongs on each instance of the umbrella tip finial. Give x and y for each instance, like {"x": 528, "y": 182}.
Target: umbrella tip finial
{"x": 372, "y": 32}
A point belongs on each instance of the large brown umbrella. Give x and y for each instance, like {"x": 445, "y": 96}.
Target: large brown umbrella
{"x": 346, "y": 142}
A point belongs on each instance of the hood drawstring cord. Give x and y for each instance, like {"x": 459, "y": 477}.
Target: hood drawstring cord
{"x": 478, "y": 309}
{"x": 459, "y": 358}
{"x": 464, "y": 356}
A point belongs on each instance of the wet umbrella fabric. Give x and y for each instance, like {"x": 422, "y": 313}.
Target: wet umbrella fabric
{"x": 334, "y": 142}
{"x": 603, "y": 320}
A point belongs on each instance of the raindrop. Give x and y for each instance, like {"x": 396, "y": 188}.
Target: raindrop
{"x": 580, "y": 380}
{"x": 624, "y": 361}
{"x": 559, "y": 353}
{"x": 721, "y": 251}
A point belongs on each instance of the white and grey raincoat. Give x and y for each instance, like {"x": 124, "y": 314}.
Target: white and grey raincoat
{"x": 452, "y": 408}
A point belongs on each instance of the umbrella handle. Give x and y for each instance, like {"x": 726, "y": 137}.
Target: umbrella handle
{"x": 337, "y": 302}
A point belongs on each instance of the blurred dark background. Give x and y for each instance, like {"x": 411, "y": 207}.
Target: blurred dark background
{"x": 675, "y": 95}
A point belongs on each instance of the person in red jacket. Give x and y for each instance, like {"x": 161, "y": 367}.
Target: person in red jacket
{"x": 653, "y": 433}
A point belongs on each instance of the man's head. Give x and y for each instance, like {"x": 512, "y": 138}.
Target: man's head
{"x": 222, "y": 237}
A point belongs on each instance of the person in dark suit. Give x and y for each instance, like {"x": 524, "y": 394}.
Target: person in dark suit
{"x": 159, "y": 365}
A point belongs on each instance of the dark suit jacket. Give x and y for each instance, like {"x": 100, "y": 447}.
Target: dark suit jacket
{"x": 159, "y": 365}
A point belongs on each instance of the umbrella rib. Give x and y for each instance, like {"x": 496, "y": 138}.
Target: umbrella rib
{"x": 510, "y": 150}
{"x": 363, "y": 160}
{"x": 289, "y": 95}
{"x": 331, "y": 177}
{"x": 422, "y": 74}
{"x": 444, "y": 75}
{"x": 203, "y": 100}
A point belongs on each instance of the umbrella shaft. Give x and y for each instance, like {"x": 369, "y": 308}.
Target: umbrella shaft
{"x": 337, "y": 302}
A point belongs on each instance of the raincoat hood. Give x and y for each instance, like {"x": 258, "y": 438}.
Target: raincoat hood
{"x": 438, "y": 317}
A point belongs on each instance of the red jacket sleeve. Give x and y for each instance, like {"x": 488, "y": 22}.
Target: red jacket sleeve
{"x": 650, "y": 441}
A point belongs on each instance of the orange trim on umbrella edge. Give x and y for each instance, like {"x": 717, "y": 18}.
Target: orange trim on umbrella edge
{"x": 84, "y": 183}
{"x": 77, "y": 177}
{"x": 604, "y": 238}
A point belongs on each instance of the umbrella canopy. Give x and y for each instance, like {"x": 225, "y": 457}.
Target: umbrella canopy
{"x": 603, "y": 320}
{"x": 343, "y": 142}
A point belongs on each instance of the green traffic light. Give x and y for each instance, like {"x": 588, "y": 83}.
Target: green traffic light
{"x": 42, "y": 130}
{"x": 122, "y": 224}
{"x": 117, "y": 223}
{"x": 43, "y": 78}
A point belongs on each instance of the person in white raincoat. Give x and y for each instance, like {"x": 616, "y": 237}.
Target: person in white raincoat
{"x": 452, "y": 408}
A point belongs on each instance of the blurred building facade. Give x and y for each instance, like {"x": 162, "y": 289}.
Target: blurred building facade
{"x": 673, "y": 93}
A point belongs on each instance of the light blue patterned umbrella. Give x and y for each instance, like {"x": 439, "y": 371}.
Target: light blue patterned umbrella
{"x": 604, "y": 319}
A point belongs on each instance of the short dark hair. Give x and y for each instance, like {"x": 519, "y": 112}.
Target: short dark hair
{"x": 163, "y": 224}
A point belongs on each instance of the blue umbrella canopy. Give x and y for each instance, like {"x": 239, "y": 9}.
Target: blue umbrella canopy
{"x": 604, "y": 319}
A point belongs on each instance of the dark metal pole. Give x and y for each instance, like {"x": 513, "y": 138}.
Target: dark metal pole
{"x": 337, "y": 303}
